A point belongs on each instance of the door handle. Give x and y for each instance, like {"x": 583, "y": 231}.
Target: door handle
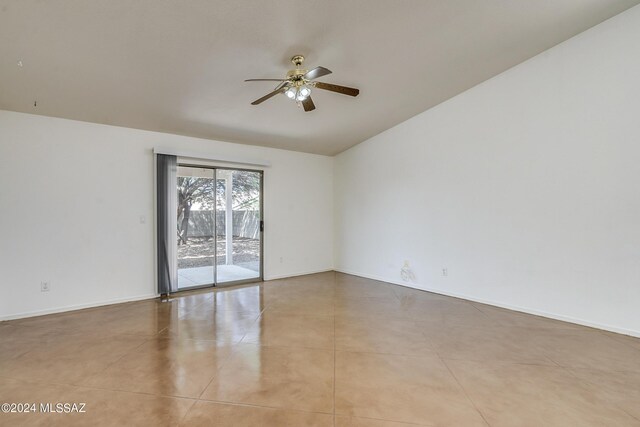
{"x": 261, "y": 225}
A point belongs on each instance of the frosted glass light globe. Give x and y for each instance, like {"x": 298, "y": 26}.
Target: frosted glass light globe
{"x": 305, "y": 91}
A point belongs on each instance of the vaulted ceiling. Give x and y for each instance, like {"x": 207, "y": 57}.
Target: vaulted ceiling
{"x": 179, "y": 66}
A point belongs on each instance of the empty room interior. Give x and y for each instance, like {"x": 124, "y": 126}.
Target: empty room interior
{"x": 359, "y": 213}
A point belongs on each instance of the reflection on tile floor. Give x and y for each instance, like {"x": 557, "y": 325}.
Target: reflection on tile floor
{"x": 200, "y": 276}
{"x": 320, "y": 350}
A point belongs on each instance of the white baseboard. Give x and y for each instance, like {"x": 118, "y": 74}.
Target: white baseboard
{"x": 128, "y": 299}
{"x": 300, "y": 273}
{"x": 418, "y": 286}
{"x": 526, "y": 310}
{"x": 76, "y": 307}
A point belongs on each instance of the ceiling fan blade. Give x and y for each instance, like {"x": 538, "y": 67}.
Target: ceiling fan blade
{"x": 308, "y": 104}
{"x": 269, "y": 95}
{"x": 316, "y": 72}
{"x": 265, "y": 80}
{"x": 283, "y": 84}
{"x": 337, "y": 88}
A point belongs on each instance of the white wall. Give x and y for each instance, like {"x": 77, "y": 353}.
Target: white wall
{"x": 526, "y": 187}
{"x": 71, "y": 197}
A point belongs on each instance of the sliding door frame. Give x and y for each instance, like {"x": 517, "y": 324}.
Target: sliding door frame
{"x": 215, "y": 283}
{"x": 215, "y": 230}
{"x": 260, "y": 277}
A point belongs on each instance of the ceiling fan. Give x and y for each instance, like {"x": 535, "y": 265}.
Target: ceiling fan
{"x": 299, "y": 82}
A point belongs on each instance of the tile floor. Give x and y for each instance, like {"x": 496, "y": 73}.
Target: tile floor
{"x": 320, "y": 350}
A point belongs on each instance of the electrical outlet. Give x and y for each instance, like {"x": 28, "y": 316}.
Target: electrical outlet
{"x": 45, "y": 286}
{"x": 445, "y": 272}
{"x": 406, "y": 273}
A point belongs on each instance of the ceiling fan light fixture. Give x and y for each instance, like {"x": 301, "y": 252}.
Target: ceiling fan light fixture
{"x": 291, "y": 93}
{"x": 299, "y": 83}
{"x": 305, "y": 91}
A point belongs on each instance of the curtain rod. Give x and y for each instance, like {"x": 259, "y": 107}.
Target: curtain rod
{"x": 210, "y": 157}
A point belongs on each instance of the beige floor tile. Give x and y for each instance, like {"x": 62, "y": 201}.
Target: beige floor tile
{"x": 534, "y": 395}
{"x": 449, "y": 313}
{"x": 129, "y": 361}
{"x": 102, "y": 407}
{"x": 247, "y": 299}
{"x": 228, "y": 415}
{"x": 141, "y": 318}
{"x": 368, "y": 422}
{"x": 506, "y": 317}
{"x": 14, "y": 331}
{"x": 485, "y": 343}
{"x": 46, "y": 337}
{"x": 290, "y": 290}
{"x": 291, "y": 330}
{"x": 619, "y": 389}
{"x": 401, "y": 388}
{"x": 390, "y": 336}
{"x": 15, "y": 391}
{"x": 148, "y": 324}
{"x": 17, "y": 340}
{"x": 167, "y": 367}
{"x": 371, "y": 307}
{"x": 69, "y": 359}
{"x": 210, "y": 324}
{"x": 588, "y": 348}
{"x": 71, "y": 321}
{"x": 15, "y": 348}
{"x": 291, "y": 378}
{"x": 363, "y": 288}
{"x": 310, "y": 304}
{"x": 627, "y": 339}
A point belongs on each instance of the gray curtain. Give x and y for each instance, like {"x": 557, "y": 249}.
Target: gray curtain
{"x": 167, "y": 222}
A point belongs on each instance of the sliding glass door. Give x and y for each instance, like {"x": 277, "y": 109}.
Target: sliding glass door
{"x": 239, "y": 225}
{"x": 196, "y": 231}
{"x": 219, "y": 226}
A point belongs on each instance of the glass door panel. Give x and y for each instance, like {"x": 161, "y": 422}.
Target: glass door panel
{"x": 239, "y": 225}
{"x": 196, "y": 227}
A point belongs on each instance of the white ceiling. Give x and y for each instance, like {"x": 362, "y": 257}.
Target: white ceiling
{"x": 179, "y": 66}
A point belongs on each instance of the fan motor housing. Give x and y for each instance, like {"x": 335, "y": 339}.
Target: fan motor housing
{"x": 296, "y": 74}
